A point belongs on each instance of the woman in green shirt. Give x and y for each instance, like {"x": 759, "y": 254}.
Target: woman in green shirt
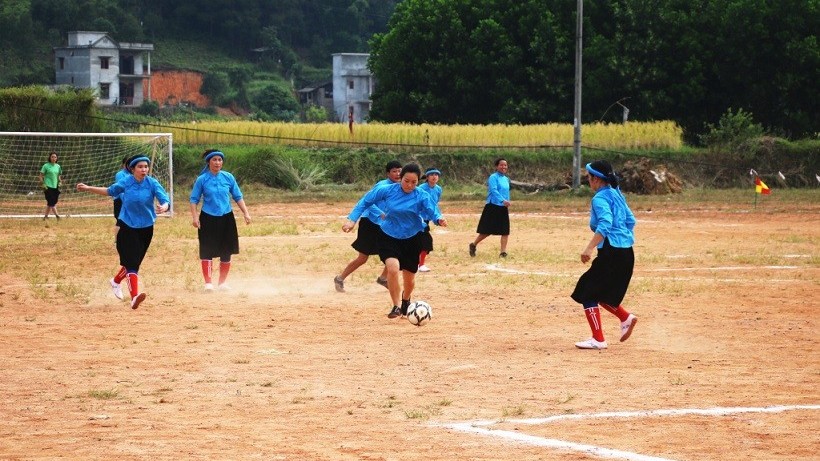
{"x": 51, "y": 177}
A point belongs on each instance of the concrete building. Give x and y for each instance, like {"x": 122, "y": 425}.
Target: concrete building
{"x": 318, "y": 94}
{"x": 353, "y": 85}
{"x": 120, "y": 73}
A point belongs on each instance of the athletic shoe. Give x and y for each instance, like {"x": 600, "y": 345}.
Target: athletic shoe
{"x": 209, "y": 287}
{"x": 340, "y": 284}
{"x": 381, "y": 281}
{"x": 116, "y": 289}
{"x": 591, "y": 343}
{"x": 503, "y": 254}
{"x": 136, "y": 300}
{"x": 472, "y": 250}
{"x": 627, "y": 326}
{"x": 395, "y": 312}
{"x": 405, "y": 304}
{"x": 424, "y": 268}
{"x": 224, "y": 287}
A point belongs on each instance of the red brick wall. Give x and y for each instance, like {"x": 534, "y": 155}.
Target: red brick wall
{"x": 171, "y": 87}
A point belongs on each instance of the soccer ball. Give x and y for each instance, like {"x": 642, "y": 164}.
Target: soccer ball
{"x": 419, "y": 313}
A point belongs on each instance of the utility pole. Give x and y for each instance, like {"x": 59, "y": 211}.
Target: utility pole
{"x": 579, "y": 38}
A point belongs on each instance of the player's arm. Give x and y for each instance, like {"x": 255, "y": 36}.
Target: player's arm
{"x": 245, "y": 213}
{"x": 93, "y": 189}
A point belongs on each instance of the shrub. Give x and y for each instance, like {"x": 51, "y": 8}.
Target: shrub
{"x": 315, "y": 114}
{"x": 736, "y": 133}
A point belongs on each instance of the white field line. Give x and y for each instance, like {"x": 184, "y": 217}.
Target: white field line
{"x": 497, "y": 268}
{"x": 479, "y": 427}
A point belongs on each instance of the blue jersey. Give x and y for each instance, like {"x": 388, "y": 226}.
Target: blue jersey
{"x": 138, "y": 200}
{"x": 498, "y": 189}
{"x": 435, "y": 194}
{"x": 402, "y": 210}
{"x": 216, "y": 191}
{"x": 122, "y": 174}
{"x": 372, "y": 212}
{"x": 611, "y": 217}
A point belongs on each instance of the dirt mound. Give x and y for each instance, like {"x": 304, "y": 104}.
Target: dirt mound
{"x": 641, "y": 177}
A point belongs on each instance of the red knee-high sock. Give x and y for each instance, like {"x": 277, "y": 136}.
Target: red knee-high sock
{"x": 133, "y": 283}
{"x": 207, "y": 266}
{"x": 594, "y": 318}
{"x": 619, "y": 311}
{"x": 422, "y": 257}
{"x": 224, "y": 267}
{"x": 120, "y": 275}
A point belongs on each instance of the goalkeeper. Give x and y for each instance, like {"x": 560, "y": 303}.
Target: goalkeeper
{"x": 51, "y": 175}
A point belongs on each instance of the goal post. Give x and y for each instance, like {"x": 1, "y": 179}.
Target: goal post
{"x": 90, "y": 158}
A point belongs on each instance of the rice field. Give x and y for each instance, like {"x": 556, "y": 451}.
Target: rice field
{"x": 631, "y": 135}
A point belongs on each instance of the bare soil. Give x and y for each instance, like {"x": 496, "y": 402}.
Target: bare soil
{"x": 282, "y": 367}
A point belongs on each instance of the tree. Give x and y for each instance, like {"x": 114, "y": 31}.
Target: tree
{"x": 503, "y": 61}
{"x": 277, "y": 103}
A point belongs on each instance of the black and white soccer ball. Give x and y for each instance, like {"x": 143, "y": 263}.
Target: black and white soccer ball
{"x": 419, "y": 313}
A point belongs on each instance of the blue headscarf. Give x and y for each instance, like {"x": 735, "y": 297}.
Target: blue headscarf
{"x": 136, "y": 160}
{"x": 209, "y": 157}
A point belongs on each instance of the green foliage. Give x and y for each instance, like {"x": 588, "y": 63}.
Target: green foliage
{"x": 149, "y": 108}
{"x": 215, "y": 86}
{"x": 36, "y": 108}
{"x": 316, "y": 114}
{"x": 735, "y": 133}
{"x": 276, "y": 103}
{"x": 512, "y": 61}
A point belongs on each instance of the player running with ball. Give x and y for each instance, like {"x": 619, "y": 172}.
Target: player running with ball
{"x": 404, "y": 207}
{"x": 608, "y": 277}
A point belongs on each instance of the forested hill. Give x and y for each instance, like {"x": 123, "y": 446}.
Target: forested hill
{"x": 292, "y": 34}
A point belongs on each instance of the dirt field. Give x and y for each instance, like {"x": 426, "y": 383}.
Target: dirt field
{"x": 284, "y": 368}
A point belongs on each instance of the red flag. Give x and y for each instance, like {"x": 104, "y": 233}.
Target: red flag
{"x": 761, "y": 187}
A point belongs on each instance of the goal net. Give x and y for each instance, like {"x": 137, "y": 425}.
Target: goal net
{"x": 90, "y": 158}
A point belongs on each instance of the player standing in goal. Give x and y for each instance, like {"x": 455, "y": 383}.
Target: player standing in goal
{"x": 139, "y": 192}
{"x": 608, "y": 277}
{"x": 404, "y": 210}
{"x": 51, "y": 175}
{"x": 216, "y": 224}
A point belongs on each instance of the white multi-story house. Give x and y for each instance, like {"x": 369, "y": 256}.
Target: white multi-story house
{"x": 119, "y": 72}
{"x": 353, "y": 86}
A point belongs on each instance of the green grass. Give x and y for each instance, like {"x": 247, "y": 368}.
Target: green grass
{"x": 193, "y": 55}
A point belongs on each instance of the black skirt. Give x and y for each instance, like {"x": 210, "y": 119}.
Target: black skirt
{"x": 608, "y": 277}
{"x": 132, "y": 244}
{"x": 367, "y": 238}
{"x": 427, "y": 239}
{"x": 117, "y": 208}
{"x": 218, "y": 236}
{"x": 495, "y": 220}
{"x": 405, "y": 250}
{"x": 52, "y": 195}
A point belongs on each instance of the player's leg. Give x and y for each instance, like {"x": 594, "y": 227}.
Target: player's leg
{"x": 504, "y": 239}
{"x": 393, "y": 285}
{"x": 475, "y": 243}
{"x": 593, "y": 315}
{"x": 628, "y": 320}
{"x": 224, "y": 268}
{"x": 354, "y": 264}
{"x": 409, "y": 280}
{"x": 207, "y": 266}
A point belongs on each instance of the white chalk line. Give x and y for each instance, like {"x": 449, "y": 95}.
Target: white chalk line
{"x": 479, "y": 427}
{"x": 497, "y": 268}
